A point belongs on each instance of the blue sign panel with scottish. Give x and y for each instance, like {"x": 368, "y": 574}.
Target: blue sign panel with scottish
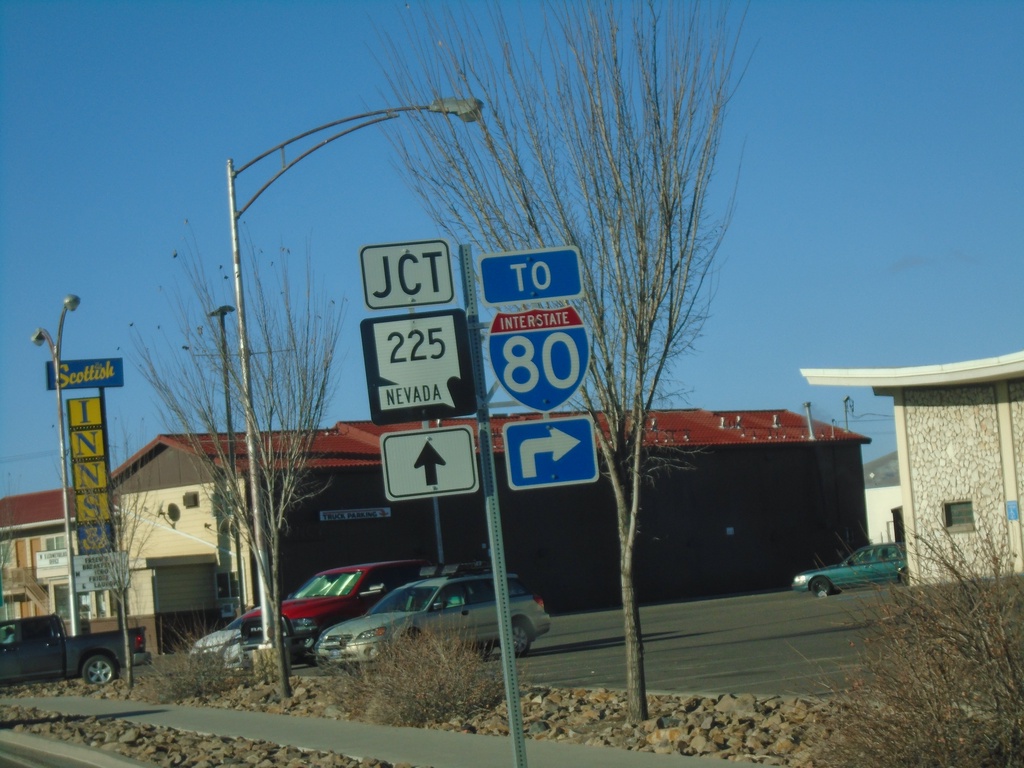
{"x": 540, "y": 357}
{"x": 550, "y": 452}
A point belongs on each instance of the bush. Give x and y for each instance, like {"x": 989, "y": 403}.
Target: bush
{"x": 431, "y": 677}
{"x": 943, "y": 681}
{"x": 183, "y": 675}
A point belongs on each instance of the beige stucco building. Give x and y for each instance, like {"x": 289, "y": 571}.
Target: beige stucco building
{"x": 960, "y": 440}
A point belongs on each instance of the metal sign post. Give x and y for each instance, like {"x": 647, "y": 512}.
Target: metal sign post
{"x": 490, "y": 488}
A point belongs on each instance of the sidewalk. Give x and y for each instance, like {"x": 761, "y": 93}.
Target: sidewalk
{"x": 416, "y": 746}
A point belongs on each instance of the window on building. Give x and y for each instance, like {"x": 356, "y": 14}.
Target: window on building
{"x": 227, "y": 585}
{"x": 960, "y": 515}
{"x": 53, "y": 543}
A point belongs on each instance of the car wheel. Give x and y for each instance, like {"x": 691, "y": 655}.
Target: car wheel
{"x": 98, "y": 670}
{"x": 821, "y": 587}
{"x": 521, "y": 638}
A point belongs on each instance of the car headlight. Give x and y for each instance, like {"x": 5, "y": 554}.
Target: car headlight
{"x": 304, "y": 625}
{"x": 371, "y": 634}
{"x": 800, "y": 579}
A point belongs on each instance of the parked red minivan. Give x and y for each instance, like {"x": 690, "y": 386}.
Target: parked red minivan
{"x": 339, "y": 594}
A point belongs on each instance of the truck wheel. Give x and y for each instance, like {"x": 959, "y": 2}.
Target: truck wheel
{"x": 98, "y": 670}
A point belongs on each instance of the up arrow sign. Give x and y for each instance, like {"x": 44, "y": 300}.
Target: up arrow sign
{"x": 425, "y": 463}
{"x": 428, "y": 460}
{"x": 557, "y": 443}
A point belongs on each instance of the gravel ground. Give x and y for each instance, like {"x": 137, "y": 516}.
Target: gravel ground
{"x": 778, "y": 731}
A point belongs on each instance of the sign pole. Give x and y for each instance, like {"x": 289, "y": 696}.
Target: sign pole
{"x": 489, "y": 484}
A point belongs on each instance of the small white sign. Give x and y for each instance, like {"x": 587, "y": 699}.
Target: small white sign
{"x": 416, "y": 274}
{"x": 52, "y": 559}
{"x": 429, "y": 462}
{"x": 334, "y": 515}
{"x": 99, "y": 572}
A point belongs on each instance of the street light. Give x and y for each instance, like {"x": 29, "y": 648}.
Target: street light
{"x": 220, "y": 313}
{"x": 467, "y": 110}
{"x": 41, "y": 336}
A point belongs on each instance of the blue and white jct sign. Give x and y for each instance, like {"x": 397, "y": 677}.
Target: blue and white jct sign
{"x": 540, "y": 357}
{"x": 550, "y": 452}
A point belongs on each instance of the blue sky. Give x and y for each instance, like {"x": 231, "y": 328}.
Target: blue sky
{"x": 877, "y": 150}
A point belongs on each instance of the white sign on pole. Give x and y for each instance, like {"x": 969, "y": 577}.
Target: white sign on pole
{"x": 99, "y": 572}
{"x": 418, "y": 366}
{"x": 429, "y": 462}
{"x": 415, "y": 274}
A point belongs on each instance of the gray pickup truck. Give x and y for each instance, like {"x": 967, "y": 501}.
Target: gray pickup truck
{"x": 37, "y": 648}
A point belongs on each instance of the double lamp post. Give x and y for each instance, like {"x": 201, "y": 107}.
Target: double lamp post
{"x": 468, "y": 110}
{"x": 40, "y": 337}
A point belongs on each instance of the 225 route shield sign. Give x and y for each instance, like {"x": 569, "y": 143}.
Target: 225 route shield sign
{"x": 418, "y": 367}
{"x": 540, "y": 356}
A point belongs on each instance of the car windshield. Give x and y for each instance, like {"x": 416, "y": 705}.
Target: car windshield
{"x": 329, "y": 585}
{"x": 410, "y": 599}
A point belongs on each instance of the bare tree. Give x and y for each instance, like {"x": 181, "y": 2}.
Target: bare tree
{"x": 294, "y": 332}
{"x": 130, "y": 535}
{"x": 601, "y": 130}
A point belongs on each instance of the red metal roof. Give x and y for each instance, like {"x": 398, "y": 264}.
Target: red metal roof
{"x": 355, "y": 444}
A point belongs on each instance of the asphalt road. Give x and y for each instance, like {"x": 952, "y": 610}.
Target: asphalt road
{"x": 767, "y": 644}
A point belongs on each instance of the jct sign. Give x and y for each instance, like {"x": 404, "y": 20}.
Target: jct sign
{"x": 540, "y": 356}
{"x": 415, "y": 274}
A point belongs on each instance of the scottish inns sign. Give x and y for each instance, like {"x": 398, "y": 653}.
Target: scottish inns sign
{"x": 87, "y": 374}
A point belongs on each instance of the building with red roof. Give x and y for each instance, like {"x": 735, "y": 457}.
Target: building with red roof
{"x": 741, "y": 500}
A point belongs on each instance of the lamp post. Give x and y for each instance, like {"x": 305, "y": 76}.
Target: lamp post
{"x": 468, "y": 110}
{"x": 41, "y": 336}
{"x": 220, "y": 313}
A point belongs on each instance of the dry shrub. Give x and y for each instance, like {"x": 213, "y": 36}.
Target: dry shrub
{"x": 943, "y": 681}
{"x": 430, "y": 677}
{"x": 183, "y": 675}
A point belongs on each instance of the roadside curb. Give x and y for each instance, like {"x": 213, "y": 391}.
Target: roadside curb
{"x": 71, "y": 755}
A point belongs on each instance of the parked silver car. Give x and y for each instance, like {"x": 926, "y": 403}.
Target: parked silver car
{"x": 236, "y": 642}
{"x": 460, "y": 602}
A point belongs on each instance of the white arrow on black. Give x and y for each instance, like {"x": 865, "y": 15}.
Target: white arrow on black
{"x": 557, "y": 443}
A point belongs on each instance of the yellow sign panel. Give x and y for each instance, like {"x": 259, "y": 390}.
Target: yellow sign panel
{"x": 87, "y": 444}
{"x": 92, "y": 508}
{"x": 90, "y": 475}
{"x": 85, "y": 412}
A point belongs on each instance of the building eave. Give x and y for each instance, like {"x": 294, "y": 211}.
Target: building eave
{"x": 886, "y": 380}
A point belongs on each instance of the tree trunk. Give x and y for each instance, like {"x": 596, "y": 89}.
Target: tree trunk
{"x": 636, "y": 683}
{"x": 129, "y": 664}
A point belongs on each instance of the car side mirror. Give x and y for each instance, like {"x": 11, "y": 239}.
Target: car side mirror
{"x": 436, "y": 606}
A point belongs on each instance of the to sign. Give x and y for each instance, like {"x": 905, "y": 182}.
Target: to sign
{"x": 529, "y": 277}
{"x": 541, "y": 356}
{"x": 418, "y": 367}
{"x": 428, "y": 462}
{"x": 550, "y": 452}
{"x": 407, "y": 274}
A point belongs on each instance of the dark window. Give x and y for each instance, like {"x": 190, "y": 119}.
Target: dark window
{"x": 480, "y": 591}
{"x": 960, "y": 515}
{"x": 452, "y": 596}
{"x": 227, "y": 585}
{"x": 36, "y": 629}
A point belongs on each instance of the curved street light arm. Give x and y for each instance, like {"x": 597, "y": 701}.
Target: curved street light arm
{"x": 389, "y": 115}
